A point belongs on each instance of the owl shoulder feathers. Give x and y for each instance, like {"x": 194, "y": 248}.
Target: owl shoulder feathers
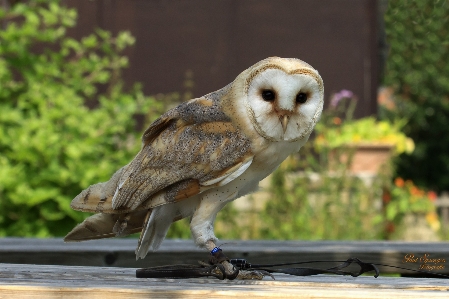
{"x": 186, "y": 151}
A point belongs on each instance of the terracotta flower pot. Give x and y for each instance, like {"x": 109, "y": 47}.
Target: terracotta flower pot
{"x": 361, "y": 158}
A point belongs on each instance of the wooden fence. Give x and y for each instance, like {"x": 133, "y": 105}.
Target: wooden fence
{"x": 211, "y": 42}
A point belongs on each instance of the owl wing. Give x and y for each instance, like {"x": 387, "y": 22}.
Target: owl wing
{"x": 183, "y": 154}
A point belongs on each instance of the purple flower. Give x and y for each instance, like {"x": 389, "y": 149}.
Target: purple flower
{"x": 342, "y": 94}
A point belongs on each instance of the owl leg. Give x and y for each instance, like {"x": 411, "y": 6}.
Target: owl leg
{"x": 202, "y": 223}
{"x": 202, "y": 227}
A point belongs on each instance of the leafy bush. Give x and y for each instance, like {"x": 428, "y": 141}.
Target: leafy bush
{"x": 405, "y": 198}
{"x": 418, "y": 69}
{"x": 337, "y": 129}
{"x": 329, "y": 206}
{"x": 52, "y": 145}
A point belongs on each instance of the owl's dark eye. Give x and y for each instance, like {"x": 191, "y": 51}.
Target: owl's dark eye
{"x": 268, "y": 95}
{"x": 301, "y": 98}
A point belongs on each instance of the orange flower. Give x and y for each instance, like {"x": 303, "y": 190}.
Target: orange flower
{"x": 336, "y": 121}
{"x": 432, "y": 195}
{"x": 416, "y": 191}
{"x": 399, "y": 182}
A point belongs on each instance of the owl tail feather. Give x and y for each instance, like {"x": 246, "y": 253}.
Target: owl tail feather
{"x": 155, "y": 229}
{"x": 100, "y": 226}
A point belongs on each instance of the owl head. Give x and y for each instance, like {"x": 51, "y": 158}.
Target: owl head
{"x": 283, "y": 98}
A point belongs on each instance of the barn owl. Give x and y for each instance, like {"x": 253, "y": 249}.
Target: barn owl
{"x": 205, "y": 153}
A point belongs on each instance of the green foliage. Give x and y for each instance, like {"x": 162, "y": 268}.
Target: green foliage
{"x": 52, "y": 146}
{"x": 405, "y": 198}
{"x": 418, "y": 69}
{"x": 331, "y": 207}
{"x": 338, "y": 129}
{"x": 365, "y": 131}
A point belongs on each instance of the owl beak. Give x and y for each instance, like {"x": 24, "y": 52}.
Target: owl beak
{"x": 284, "y": 121}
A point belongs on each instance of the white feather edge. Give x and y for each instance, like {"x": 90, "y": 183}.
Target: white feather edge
{"x": 237, "y": 173}
{"x": 223, "y": 180}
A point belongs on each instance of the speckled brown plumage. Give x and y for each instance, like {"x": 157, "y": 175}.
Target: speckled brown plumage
{"x": 190, "y": 144}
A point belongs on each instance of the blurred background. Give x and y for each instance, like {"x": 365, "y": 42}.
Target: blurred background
{"x": 81, "y": 79}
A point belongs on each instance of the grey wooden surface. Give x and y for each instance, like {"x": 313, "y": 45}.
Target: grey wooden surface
{"x": 120, "y": 252}
{"x": 48, "y": 281}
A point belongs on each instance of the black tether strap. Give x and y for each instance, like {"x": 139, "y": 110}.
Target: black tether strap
{"x": 364, "y": 267}
{"x": 182, "y": 271}
{"x": 218, "y": 271}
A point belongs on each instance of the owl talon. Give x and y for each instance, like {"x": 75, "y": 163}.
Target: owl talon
{"x": 231, "y": 273}
{"x": 253, "y": 275}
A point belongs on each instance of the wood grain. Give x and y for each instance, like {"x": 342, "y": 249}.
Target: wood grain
{"x": 47, "y": 281}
